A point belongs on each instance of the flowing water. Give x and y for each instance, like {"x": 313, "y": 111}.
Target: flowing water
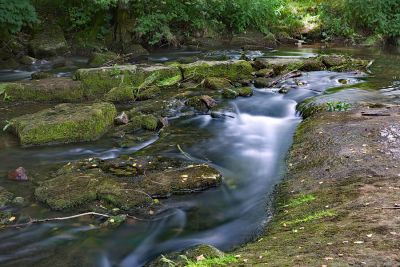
{"x": 248, "y": 147}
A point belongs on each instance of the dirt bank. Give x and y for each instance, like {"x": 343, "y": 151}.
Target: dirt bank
{"x": 337, "y": 206}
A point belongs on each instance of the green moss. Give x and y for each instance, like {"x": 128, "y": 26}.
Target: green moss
{"x": 315, "y": 216}
{"x": 141, "y": 121}
{"x": 98, "y": 59}
{"x": 229, "y": 93}
{"x": 215, "y": 83}
{"x": 54, "y": 89}
{"x": 232, "y": 70}
{"x": 245, "y": 91}
{"x": 170, "y": 81}
{"x": 65, "y": 123}
{"x": 5, "y": 196}
{"x": 99, "y": 81}
{"x": 210, "y": 262}
{"x": 303, "y": 199}
{"x": 147, "y": 92}
{"x": 120, "y": 94}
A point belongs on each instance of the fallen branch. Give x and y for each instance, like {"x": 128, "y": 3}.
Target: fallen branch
{"x": 388, "y": 208}
{"x": 119, "y": 60}
{"x": 184, "y": 153}
{"x": 292, "y": 74}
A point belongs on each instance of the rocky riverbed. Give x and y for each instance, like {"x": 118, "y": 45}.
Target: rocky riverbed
{"x": 133, "y": 104}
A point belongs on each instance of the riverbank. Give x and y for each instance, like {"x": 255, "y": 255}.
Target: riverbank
{"x": 339, "y": 203}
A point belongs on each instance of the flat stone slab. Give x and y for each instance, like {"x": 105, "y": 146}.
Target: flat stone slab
{"x": 45, "y": 90}
{"x": 64, "y": 123}
{"x": 124, "y": 183}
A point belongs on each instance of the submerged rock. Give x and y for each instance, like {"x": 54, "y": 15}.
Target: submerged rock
{"x": 65, "y": 123}
{"x": 125, "y": 183}
{"x": 18, "y": 174}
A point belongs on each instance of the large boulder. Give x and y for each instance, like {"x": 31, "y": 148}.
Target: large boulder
{"x": 98, "y": 81}
{"x": 45, "y": 90}
{"x": 48, "y": 42}
{"x": 125, "y": 183}
{"x": 231, "y": 70}
{"x": 65, "y": 123}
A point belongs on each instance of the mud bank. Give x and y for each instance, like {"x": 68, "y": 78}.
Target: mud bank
{"x": 338, "y": 205}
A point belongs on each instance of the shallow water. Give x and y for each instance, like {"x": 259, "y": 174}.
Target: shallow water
{"x": 248, "y": 148}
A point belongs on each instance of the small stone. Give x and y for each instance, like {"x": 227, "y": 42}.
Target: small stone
{"x": 358, "y": 242}
{"x": 209, "y": 101}
{"x": 18, "y": 175}
{"x": 121, "y": 119}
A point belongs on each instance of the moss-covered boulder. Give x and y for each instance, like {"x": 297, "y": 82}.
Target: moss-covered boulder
{"x": 5, "y": 196}
{"x": 45, "y": 90}
{"x": 120, "y": 94}
{"x": 98, "y": 81}
{"x": 232, "y": 70}
{"x": 229, "y": 93}
{"x": 265, "y": 72}
{"x": 65, "y": 123}
{"x": 97, "y": 59}
{"x": 245, "y": 91}
{"x": 215, "y": 83}
{"x": 48, "y": 42}
{"x": 143, "y": 121}
{"x": 125, "y": 183}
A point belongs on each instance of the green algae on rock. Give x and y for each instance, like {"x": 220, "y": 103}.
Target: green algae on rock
{"x": 215, "y": 83}
{"x": 125, "y": 182}
{"x": 44, "y": 90}
{"x": 98, "y": 81}
{"x": 232, "y": 70}
{"x": 65, "y": 123}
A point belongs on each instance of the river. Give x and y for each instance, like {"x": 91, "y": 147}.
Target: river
{"x": 248, "y": 147}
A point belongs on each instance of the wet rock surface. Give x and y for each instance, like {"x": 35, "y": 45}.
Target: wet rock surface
{"x": 65, "y": 123}
{"x": 19, "y": 174}
{"x": 125, "y": 183}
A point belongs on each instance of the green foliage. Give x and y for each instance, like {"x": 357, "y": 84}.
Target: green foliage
{"x": 15, "y": 14}
{"x": 312, "y": 217}
{"x": 205, "y": 262}
{"x": 300, "y": 200}
{"x": 338, "y": 106}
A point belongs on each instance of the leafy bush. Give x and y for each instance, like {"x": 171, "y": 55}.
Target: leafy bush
{"x": 15, "y": 14}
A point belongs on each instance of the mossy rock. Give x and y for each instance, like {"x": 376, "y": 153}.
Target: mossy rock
{"x": 262, "y": 82}
{"x": 343, "y": 63}
{"x": 65, "y": 123}
{"x": 97, "y": 59}
{"x": 312, "y": 64}
{"x": 215, "y": 83}
{"x": 87, "y": 181}
{"x": 232, "y": 70}
{"x": 229, "y": 93}
{"x": 265, "y": 72}
{"x": 98, "y": 81}
{"x": 48, "y": 42}
{"x": 245, "y": 91}
{"x": 5, "y": 197}
{"x": 141, "y": 121}
{"x": 147, "y": 93}
{"x": 27, "y": 60}
{"x": 180, "y": 257}
{"x": 42, "y": 75}
{"x": 120, "y": 94}
{"x": 197, "y": 103}
{"x": 45, "y": 90}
